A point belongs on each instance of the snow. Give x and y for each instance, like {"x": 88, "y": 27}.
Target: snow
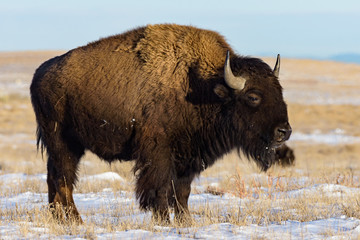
{"x": 17, "y": 139}
{"x": 332, "y": 138}
{"x": 111, "y": 176}
{"x": 117, "y": 207}
{"x": 314, "y": 96}
{"x": 108, "y": 205}
{"x": 334, "y": 227}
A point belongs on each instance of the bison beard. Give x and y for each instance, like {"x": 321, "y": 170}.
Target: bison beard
{"x": 173, "y": 98}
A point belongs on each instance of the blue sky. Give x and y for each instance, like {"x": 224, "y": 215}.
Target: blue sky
{"x": 298, "y": 28}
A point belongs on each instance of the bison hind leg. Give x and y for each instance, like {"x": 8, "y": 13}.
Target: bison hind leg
{"x": 61, "y": 201}
{"x": 64, "y": 153}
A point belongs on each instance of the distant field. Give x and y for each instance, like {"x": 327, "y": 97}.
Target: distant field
{"x": 318, "y": 197}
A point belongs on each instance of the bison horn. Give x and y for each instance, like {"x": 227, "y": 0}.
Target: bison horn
{"x": 277, "y": 66}
{"x": 232, "y": 81}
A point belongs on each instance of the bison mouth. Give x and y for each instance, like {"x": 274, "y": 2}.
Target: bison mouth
{"x": 263, "y": 149}
{"x": 265, "y": 156}
{"x": 270, "y": 154}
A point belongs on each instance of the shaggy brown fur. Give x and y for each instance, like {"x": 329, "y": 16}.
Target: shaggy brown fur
{"x": 157, "y": 95}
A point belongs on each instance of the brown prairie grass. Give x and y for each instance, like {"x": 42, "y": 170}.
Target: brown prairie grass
{"x": 260, "y": 198}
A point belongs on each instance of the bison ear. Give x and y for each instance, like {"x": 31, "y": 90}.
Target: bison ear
{"x": 221, "y": 91}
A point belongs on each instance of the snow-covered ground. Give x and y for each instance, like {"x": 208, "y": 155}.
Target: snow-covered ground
{"x": 229, "y": 216}
{"x": 335, "y": 137}
{"x": 103, "y": 204}
{"x": 350, "y": 97}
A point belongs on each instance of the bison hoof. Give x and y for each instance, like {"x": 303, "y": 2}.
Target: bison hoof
{"x": 57, "y": 211}
{"x": 161, "y": 219}
{"x": 184, "y": 220}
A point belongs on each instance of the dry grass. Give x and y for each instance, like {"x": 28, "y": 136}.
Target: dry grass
{"x": 261, "y": 202}
{"x": 332, "y": 117}
{"x": 263, "y": 198}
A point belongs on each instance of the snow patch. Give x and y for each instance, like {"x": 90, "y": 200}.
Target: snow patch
{"x": 110, "y": 176}
{"x": 333, "y": 138}
{"x": 120, "y": 206}
{"x": 17, "y": 138}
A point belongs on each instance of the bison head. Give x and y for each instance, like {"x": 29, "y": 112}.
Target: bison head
{"x": 254, "y": 103}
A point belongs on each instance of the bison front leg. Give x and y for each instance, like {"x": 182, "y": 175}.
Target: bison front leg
{"x": 182, "y": 189}
{"x": 153, "y": 187}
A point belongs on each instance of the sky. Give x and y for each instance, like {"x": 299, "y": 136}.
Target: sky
{"x": 297, "y": 28}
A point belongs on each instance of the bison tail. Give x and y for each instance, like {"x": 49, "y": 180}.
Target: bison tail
{"x": 39, "y": 142}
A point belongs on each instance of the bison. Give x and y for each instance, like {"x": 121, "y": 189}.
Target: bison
{"x": 173, "y": 98}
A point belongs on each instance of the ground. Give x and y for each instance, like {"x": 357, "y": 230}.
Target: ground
{"x": 317, "y": 198}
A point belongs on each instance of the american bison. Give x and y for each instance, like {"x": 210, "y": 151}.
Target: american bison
{"x": 173, "y": 98}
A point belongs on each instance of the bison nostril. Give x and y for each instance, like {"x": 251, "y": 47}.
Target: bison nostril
{"x": 283, "y": 134}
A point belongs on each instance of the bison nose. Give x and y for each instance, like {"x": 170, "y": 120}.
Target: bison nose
{"x": 283, "y": 132}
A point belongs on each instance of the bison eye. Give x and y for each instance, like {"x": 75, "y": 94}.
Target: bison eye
{"x": 253, "y": 99}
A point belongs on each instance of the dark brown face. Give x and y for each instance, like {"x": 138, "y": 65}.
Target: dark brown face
{"x": 264, "y": 118}
{"x": 260, "y": 115}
